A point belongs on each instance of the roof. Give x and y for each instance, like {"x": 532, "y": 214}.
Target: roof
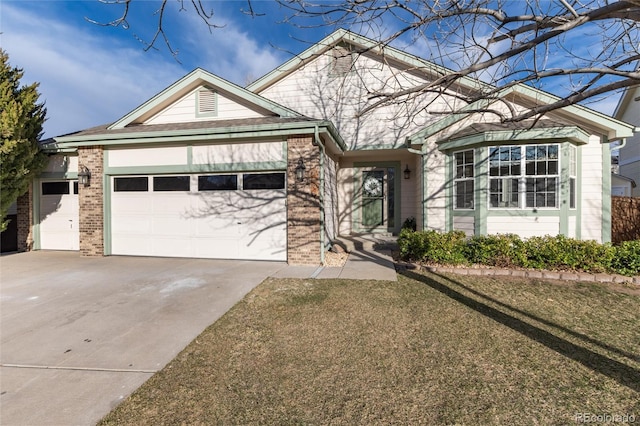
{"x": 540, "y": 130}
{"x": 199, "y": 131}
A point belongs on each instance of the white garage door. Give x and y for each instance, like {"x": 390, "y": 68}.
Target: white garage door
{"x": 225, "y": 216}
{"x": 59, "y": 215}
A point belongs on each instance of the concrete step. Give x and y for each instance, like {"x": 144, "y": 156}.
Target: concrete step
{"x": 360, "y": 242}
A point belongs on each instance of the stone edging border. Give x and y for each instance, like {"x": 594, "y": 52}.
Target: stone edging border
{"x": 526, "y": 273}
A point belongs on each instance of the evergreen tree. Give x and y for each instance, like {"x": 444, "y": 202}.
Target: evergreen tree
{"x": 21, "y": 120}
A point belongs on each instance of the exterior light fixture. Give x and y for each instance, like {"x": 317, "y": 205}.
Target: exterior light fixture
{"x": 407, "y": 172}
{"x": 300, "y": 168}
{"x": 84, "y": 176}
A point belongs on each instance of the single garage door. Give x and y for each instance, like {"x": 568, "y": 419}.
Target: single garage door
{"x": 224, "y": 216}
{"x": 58, "y": 226}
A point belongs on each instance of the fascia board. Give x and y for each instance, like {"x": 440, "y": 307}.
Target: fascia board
{"x": 191, "y": 80}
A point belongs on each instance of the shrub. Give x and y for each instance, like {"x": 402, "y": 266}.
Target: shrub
{"x": 560, "y": 252}
{"x": 496, "y": 250}
{"x": 432, "y": 246}
{"x": 508, "y": 250}
{"x": 627, "y": 258}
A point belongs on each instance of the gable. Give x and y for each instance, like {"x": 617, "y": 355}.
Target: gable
{"x": 180, "y": 102}
{"x": 207, "y": 103}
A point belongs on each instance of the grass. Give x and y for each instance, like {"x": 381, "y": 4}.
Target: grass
{"x": 428, "y": 349}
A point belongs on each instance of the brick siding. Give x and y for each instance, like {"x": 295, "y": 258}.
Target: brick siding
{"x": 91, "y": 200}
{"x": 303, "y": 202}
{"x": 25, "y": 220}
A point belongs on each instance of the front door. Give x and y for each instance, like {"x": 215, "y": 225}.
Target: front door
{"x": 377, "y": 212}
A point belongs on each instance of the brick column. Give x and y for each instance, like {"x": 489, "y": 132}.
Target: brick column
{"x": 91, "y": 200}
{"x": 25, "y": 220}
{"x": 303, "y": 202}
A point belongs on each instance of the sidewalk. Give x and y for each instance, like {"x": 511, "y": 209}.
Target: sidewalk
{"x": 369, "y": 259}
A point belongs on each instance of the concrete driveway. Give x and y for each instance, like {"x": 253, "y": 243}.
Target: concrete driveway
{"x": 78, "y": 335}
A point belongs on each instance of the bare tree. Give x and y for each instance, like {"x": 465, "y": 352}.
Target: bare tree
{"x": 580, "y": 50}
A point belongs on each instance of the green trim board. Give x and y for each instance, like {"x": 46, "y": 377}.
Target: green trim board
{"x": 356, "y": 201}
{"x": 106, "y": 207}
{"x": 214, "y": 93}
{"x": 564, "y": 193}
{"x": 449, "y": 193}
{"x": 35, "y": 199}
{"x": 59, "y": 175}
{"x": 197, "y": 168}
{"x": 208, "y": 134}
{"x": 578, "y": 209}
{"x": 481, "y": 204}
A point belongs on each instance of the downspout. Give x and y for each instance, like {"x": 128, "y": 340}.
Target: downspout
{"x": 322, "y": 228}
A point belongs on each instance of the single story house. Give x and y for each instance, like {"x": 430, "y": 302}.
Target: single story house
{"x": 280, "y": 169}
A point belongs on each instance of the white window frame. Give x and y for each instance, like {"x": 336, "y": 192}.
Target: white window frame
{"x": 518, "y": 177}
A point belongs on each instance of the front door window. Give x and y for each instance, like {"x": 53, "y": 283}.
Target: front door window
{"x": 373, "y": 199}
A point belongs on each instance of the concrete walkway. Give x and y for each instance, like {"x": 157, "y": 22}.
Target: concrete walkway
{"x": 369, "y": 259}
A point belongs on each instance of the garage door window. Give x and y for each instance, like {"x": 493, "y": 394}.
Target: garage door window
{"x": 263, "y": 181}
{"x": 171, "y": 183}
{"x": 131, "y": 184}
{"x": 55, "y": 188}
{"x": 75, "y": 187}
{"x": 218, "y": 183}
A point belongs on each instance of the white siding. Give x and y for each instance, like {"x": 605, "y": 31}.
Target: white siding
{"x": 591, "y": 181}
{"x": 62, "y": 164}
{"x": 525, "y": 227}
{"x": 238, "y": 153}
{"x": 312, "y": 91}
{"x": 465, "y": 224}
{"x": 435, "y": 197}
{"x": 184, "y": 110}
{"x": 136, "y": 157}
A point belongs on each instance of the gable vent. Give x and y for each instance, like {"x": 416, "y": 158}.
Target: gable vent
{"x": 206, "y": 101}
{"x": 342, "y": 61}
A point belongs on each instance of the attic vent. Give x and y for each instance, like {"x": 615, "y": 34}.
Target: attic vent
{"x": 207, "y": 102}
{"x": 342, "y": 61}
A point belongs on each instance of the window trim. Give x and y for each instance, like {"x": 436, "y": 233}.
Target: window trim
{"x": 464, "y": 179}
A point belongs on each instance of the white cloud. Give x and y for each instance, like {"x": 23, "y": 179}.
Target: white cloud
{"x": 84, "y": 80}
{"x": 230, "y": 52}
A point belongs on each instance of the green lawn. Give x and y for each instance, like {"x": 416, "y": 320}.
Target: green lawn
{"x": 427, "y": 349}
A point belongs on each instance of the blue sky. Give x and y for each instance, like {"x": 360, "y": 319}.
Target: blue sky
{"x": 91, "y": 75}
